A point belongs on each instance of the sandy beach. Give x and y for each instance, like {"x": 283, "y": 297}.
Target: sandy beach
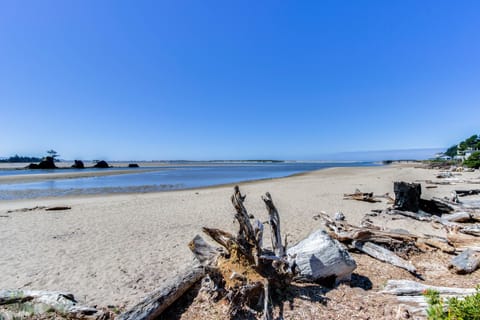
{"x": 113, "y": 250}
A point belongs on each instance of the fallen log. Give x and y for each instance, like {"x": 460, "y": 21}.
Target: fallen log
{"x": 413, "y": 288}
{"x": 466, "y": 262}
{"x": 464, "y": 193}
{"x": 473, "y": 230}
{"x": 41, "y": 302}
{"x": 457, "y": 217}
{"x": 156, "y": 302}
{"x": 438, "y": 244}
{"x": 382, "y": 254}
{"x": 319, "y": 257}
{"x": 361, "y": 196}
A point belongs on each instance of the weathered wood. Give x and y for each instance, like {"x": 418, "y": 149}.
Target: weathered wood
{"x": 413, "y": 288}
{"x": 466, "y": 262}
{"x": 156, "y": 302}
{"x": 473, "y": 230}
{"x": 361, "y": 196}
{"x": 435, "y": 243}
{"x": 385, "y": 255}
{"x": 58, "y": 208}
{"x": 457, "y": 217}
{"x": 43, "y": 301}
{"x": 464, "y": 193}
{"x": 274, "y": 222}
{"x": 462, "y": 241}
{"x": 205, "y": 253}
{"x": 319, "y": 256}
{"x": 407, "y": 196}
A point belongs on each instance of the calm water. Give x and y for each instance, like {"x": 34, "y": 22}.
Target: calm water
{"x": 161, "y": 179}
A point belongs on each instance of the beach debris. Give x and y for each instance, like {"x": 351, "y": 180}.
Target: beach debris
{"x": 464, "y": 193}
{"x": 27, "y": 209}
{"x": 156, "y": 302}
{"x": 361, "y": 196}
{"x": 78, "y": 164}
{"x": 133, "y": 165}
{"x": 101, "y": 164}
{"x": 30, "y": 303}
{"x": 319, "y": 257}
{"x": 407, "y": 196}
{"x": 411, "y": 293}
{"x": 460, "y": 216}
{"x": 466, "y": 262}
{"x": 385, "y": 255}
{"x": 339, "y": 216}
{"x": 58, "y": 208}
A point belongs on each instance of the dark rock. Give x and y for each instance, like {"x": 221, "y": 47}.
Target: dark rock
{"x": 46, "y": 163}
{"x": 407, "y": 196}
{"x": 78, "y": 164}
{"x": 133, "y": 165}
{"x": 101, "y": 164}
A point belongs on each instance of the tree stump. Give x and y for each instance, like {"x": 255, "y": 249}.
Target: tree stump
{"x": 407, "y": 196}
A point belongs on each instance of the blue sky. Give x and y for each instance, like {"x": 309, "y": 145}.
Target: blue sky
{"x": 236, "y": 79}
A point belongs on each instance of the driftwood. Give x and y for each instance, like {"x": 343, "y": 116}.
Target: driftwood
{"x": 58, "y": 208}
{"x": 156, "y": 302}
{"x": 463, "y": 193}
{"x": 245, "y": 273}
{"x": 413, "y": 288}
{"x": 320, "y": 257}
{"x": 382, "y": 254}
{"x": 417, "y": 216}
{"x": 461, "y": 216}
{"x": 361, "y": 196}
{"x": 407, "y": 196}
{"x": 41, "y": 302}
{"x": 466, "y": 262}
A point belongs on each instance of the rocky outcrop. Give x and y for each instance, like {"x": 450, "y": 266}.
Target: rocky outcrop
{"x": 101, "y": 164}
{"x": 78, "y": 164}
{"x": 133, "y": 165}
{"x": 46, "y": 163}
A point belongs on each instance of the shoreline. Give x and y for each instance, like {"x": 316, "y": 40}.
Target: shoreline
{"x": 114, "y": 249}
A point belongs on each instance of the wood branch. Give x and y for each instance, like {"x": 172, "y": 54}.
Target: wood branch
{"x": 385, "y": 255}
{"x": 466, "y": 262}
{"x": 246, "y": 229}
{"x": 436, "y": 243}
{"x": 413, "y": 288}
{"x": 61, "y": 302}
{"x": 59, "y": 208}
{"x": 156, "y": 302}
{"x": 464, "y": 193}
{"x": 274, "y": 222}
{"x": 361, "y": 196}
{"x": 223, "y": 238}
{"x": 205, "y": 253}
{"x": 461, "y": 216}
{"x": 266, "y": 296}
{"x": 473, "y": 230}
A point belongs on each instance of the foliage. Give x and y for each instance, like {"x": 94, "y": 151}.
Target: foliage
{"x": 473, "y": 161}
{"x": 17, "y": 158}
{"x": 470, "y": 143}
{"x": 452, "y": 151}
{"x": 52, "y": 153}
{"x": 454, "y": 308}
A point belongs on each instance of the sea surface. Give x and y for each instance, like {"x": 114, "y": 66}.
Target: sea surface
{"x": 171, "y": 177}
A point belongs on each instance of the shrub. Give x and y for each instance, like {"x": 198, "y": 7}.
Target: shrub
{"x": 454, "y": 309}
{"x": 473, "y": 161}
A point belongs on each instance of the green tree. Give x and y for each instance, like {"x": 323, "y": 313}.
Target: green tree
{"x": 54, "y": 154}
{"x": 473, "y": 161}
{"x": 452, "y": 151}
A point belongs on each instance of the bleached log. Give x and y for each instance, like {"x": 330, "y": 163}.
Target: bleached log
{"x": 466, "y": 262}
{"x": 413, "y": 288}
{"x": 463, "y": 193}
{"x": 319, "y": 256}
{"x": 61, "y": 302}
{"x": 156, "y": 302}
{"x": 457, "y": 216}
{"x": 385, "y": 255}
{"x": 274, "y": 222}
{"x": 473, "y": 230}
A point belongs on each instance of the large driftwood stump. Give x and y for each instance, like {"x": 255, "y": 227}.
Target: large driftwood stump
{"x": 407, "y": 196}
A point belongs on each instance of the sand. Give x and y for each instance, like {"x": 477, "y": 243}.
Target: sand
{"x": 113, "y": 250}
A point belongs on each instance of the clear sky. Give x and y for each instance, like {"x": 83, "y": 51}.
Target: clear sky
{"x": 236, "y": 79}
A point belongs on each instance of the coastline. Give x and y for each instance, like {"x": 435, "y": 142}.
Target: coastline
{"x": 114, "y": 249}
